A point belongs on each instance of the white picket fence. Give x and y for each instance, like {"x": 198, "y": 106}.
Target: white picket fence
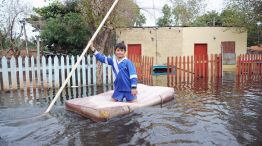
{"x": 23, "y": 73}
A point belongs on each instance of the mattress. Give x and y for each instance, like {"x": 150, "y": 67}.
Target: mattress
{"x": 101, "y": 107}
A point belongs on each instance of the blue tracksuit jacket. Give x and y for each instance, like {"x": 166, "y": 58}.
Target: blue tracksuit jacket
{"x": 124, "y": 72}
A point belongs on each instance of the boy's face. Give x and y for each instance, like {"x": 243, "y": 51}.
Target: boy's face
{"x": 120, "y": 53}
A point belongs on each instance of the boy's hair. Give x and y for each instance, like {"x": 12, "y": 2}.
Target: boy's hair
{"x": 121, "y": 46}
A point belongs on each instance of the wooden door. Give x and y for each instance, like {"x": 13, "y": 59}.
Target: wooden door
{"x": 228, "y": 53}
{"x": 134, "y": 49}
{"x": 134, "y": 54}
{"x": 200, "y": 60}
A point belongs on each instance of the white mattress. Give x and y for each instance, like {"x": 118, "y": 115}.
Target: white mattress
{"x": 100, "y": 107}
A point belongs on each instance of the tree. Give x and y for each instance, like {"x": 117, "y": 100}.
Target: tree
{"x": 185, "y": 12}
{"x": 212, "y": 18}
{"x": 247, "y": 15}
{"x": 166, "y": 20}
{"x": 10, "y": 13}
{"x": 67, "y": 26}
{"x": 181, "y": 13}
{"x": 140, "y": 20}
{"x": 62, "y": 27}
{"x": 125, "y": 14}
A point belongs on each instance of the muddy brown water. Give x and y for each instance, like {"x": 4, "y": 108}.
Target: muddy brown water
{"x": 225, "y": 112}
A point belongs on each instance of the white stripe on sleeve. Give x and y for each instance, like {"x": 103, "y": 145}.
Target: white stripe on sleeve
{"x": 133, "y": 76}
{"x": 115, "y": 65}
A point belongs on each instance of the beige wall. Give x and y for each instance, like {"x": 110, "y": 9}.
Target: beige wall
{"x": 179, "y": 41}
{"x": 169, "y": 43}
{"x": 160, "y": 42}
{"x": 212, "y": 36}
{"x": 144, "y": 36}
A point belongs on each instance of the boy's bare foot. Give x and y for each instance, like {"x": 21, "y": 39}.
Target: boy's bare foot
{"x": 113, "y": 100}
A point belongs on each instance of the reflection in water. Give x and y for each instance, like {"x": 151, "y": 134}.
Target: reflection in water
{"x": 226, "y": 112}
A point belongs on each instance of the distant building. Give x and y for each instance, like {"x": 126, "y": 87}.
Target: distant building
{"x": 161, "y": 42}
{"x": 255, "y": 49}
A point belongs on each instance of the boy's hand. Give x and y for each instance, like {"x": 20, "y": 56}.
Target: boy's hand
{"x": 92, "y": 47}
{"x": 134, "y": 92}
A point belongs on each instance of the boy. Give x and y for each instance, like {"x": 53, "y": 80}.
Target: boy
{"x": 124, "y": 71}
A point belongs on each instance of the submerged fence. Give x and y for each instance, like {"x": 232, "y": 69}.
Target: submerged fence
{"x": 23, "y": 73}
{"x": 188, "y": 68}
{"x": 249, "y": 65}
{"x": 143, "y": 66}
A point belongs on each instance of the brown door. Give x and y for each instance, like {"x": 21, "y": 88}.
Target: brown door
{"x": 228, "y": 53}
{"x": 200, "y": 60}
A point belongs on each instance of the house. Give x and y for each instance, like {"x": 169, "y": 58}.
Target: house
{"x": 161, "y": 42}
{"x": 255, "y": 49}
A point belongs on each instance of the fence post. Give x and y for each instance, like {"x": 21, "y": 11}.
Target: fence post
{"x": 27, "y": 72}
{"x": 33, "y": 72}
{"x": 184, "y": 68}
{"x": 237, "y": 69}
{"x": 180, "y": 66}
{"x": 84, "y": 71}
{"x": 260, "y": 65}
{"x": 94, "y": 70}
{"x": 88, "y": 70}
{"x": 44, "y": 72}
{"x": 212, "y": 67}
{"x": 168, "y": 71}
{"x": 192, "y": 69}
{"x": 68, "y": 66}
{"x": 172, "y": 71}
{"x": 50, "y": 72}
{"x": 13, "y": 73}
{"x": 151, "y": 69}
{"x": 220, "y": 66}
{"x": 62, "y": 62}
{"x": 188, "y": 70}
{"x": 78, "y": 72}
{"x": 74, "y": 72}
{"x": 104, "y": 72}
{"x": 5, "y": 75}
{"x": 38, "y": 71}
{"x": 56, "y": 71}
{"x": 20, "y": 69}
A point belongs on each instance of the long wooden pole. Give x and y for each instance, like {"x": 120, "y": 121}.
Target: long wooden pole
{"x": 80, "y": 58}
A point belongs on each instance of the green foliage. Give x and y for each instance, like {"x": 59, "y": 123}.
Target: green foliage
{"x": 185, "y": 12}
{"x": 209, "y": 19}
{"x": 182, "y": 13}
{"x": 66, "y": 27}
{"x": 246, "y": 14}
{"x": 57, "y": 9}
{"x": 166, "y": 20}
{"x": 125, "y": 14}
{"x": 67, "y": 34}
{"x": 140, "y": 20}
{"x": 232, "y": 18}
{"x": 63, "y": 28}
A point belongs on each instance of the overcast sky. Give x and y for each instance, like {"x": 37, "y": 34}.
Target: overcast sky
{"x": 150, "y": 13}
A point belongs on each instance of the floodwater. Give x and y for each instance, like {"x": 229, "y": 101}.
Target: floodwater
{"x": 218, "y": 113}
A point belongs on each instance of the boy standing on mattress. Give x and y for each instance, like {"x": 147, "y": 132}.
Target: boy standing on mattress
{"x": 125, "y": 84}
